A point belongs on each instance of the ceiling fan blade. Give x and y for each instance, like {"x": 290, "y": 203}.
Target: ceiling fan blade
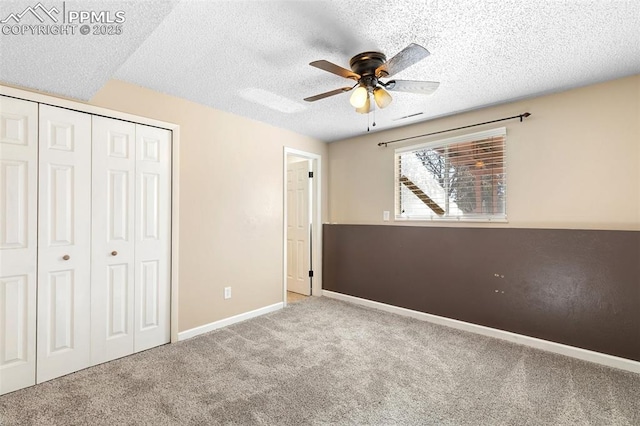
{"x": 408, "y": 56}
{"x": 412, "y": 86}
{"x": 327, "y": 94}
{"x": 335, "y": 69}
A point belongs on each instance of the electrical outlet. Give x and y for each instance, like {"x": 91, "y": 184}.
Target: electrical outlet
{"x": 385, "y": 215}
{"x": 227, "y": 292}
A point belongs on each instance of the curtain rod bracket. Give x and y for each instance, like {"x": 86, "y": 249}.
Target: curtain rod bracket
{"x": 520, "y": 116}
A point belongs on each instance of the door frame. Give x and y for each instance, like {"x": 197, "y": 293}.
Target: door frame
{"x": 316, "y": 215}
{"x": 29, "y": 95}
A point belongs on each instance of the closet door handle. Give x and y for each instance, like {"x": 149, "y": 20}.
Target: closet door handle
{"x": 114, "y": 253}
{"x": 66, "y": 257}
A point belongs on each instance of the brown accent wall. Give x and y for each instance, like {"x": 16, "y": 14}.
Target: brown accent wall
{"x": 576, "y": 287}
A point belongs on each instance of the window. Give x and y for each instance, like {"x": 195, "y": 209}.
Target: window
{"x": 461, "y": 178}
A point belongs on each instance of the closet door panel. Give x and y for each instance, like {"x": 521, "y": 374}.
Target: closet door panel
{"x": 18, "y": 242}
{"x": 153, "y": 237}
{"x": 113, "y": 239}
{"x": 64, "y": 242}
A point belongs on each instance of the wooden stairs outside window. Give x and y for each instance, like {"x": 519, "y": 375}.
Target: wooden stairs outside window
{"x": 421, "y": 195}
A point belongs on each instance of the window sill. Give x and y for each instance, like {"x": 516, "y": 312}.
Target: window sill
{"x": 451, "y": 219}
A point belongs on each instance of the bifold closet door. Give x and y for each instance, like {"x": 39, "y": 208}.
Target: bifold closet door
{"x": 18, "y": 242}
{"x": 113, "y": 239}
{"x": 64, "y": 242}
{"x": 153, "y": 237}
{"x": 131, "y": 238}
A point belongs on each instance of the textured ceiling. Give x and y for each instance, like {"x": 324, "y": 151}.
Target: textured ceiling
{"x": 75, "y": 66}
{"x": 251, "y": 57}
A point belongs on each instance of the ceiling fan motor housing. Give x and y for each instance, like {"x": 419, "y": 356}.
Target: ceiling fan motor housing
{"x": 366, "y": 64}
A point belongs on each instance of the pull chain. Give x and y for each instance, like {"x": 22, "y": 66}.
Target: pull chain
{"x": 368, "y": 117}
{"x": 373, "y": 104}
{"x": 368, "y": 121}
{"x": 374, "y": 115}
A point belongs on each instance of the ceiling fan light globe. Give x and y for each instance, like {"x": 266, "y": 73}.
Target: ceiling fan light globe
{"x": 366, "y": 108}
{"x": 382, "y": 97}
{"x": 359, "y": 97}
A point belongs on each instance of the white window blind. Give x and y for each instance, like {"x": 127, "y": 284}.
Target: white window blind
{"x": 461, "y": 178}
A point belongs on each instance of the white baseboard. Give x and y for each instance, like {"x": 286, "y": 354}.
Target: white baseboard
{"x": 187, "y": 334}
{"x": 559, "y": 348}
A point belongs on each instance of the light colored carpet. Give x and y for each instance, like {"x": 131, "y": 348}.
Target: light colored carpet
{"x": 322, "y": 361}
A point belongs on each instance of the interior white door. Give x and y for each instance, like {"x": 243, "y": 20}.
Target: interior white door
{"x": 64, "y": 242}
{"x": 298, "y": 227}
{"x": 153, "y": 237}
{"x": 113, "y": 238}
{"x": 18, "y": 242}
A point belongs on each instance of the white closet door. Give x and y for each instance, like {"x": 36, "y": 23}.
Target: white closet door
{"x": 113, "y": 238}
{"x": 153, "y": 237}
{"x": 64, "y": 242}
{"x": 18, "y": 242}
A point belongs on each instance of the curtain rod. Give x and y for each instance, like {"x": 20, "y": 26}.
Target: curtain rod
{"x": 520, "y": 116}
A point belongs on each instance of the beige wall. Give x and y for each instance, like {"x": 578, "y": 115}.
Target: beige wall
{"x": 575, "y": 163}
{"x": 231, "y": 202}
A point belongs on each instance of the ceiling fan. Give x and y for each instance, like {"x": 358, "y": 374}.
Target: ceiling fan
{"x": 368, "y": 69}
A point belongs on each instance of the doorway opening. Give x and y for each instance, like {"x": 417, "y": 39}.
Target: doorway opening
{"x": 302, "y": 230}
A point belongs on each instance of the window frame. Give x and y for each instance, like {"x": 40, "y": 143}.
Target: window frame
{"x": 440, "y": 143}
